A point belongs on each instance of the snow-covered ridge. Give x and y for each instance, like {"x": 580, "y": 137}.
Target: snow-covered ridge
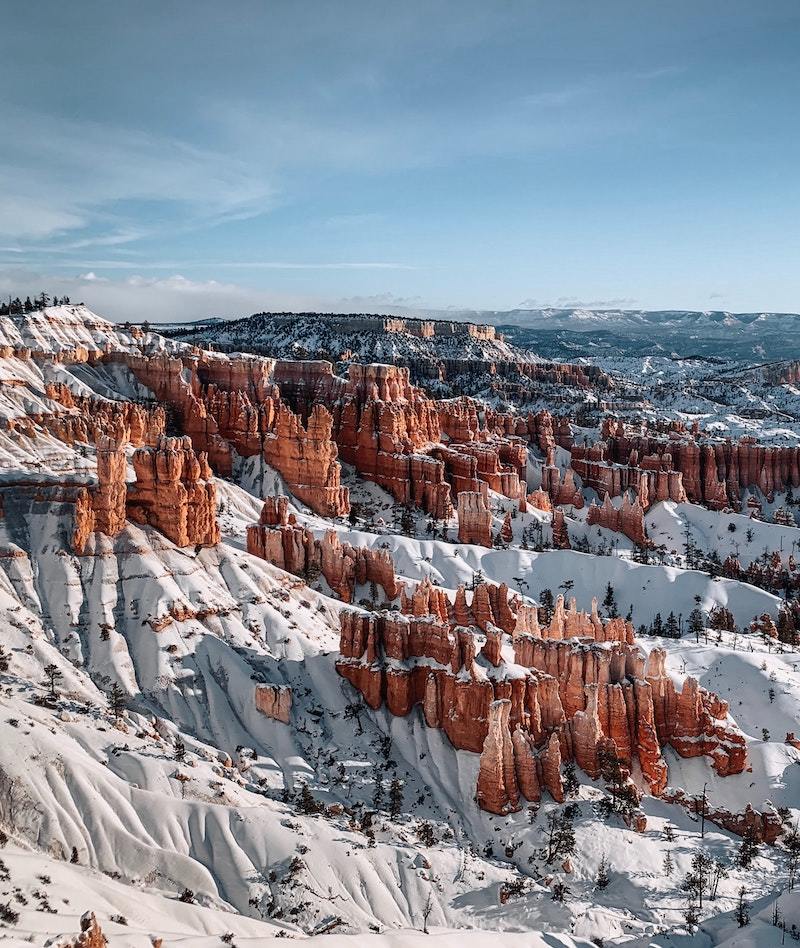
{"x": 67, "y": 328}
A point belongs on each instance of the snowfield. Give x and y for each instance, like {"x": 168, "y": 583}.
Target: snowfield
{"x": 139, "y": 781}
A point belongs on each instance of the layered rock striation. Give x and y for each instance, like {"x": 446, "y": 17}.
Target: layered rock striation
{"x": 280, "y": 540}
{"x": 532, "y": 696}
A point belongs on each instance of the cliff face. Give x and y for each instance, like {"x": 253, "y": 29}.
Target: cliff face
{"x": 712, "y": 473}
{"x": 627, "y": 519}
{"x": 474, "y": 519}
{"x": 307, "y": 458}
{"x": 575, "y": 690}
{"x": 88, "y": 418}
{"x": 174, "y": 493}
{"x": 284, "y": 543}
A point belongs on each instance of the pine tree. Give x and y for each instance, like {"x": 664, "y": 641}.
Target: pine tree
{"x": 671, "y": 629}
{"x": 52, "y": 678}
{"x": 570, "y": 779}
{"x": 610, "y": 602}
{"x": 395, "y": 797}
{"x": 623, "y": 794}
{"x": 602, "y": 880}
{"x": 180, "y": 748}
{"x": 718, "y": 872}
{"x": 306, "y": 802}
{"x": 116, "y": 701}
{"x": 560, "y": 834}
{"x": 748, "y": 850}
{"x": 560, "y": 891}
{"x": 546, "y": 605}
{"x": 742, "y": 914}
{"x": 696, "y": 882}
{"x": 669, "y": 865}
{"x": 407, "y": 521}
{"x": 791, "y": 840}
{"x": 657, "y": 628}
{"x": 696, "y": 620}
{"x": 377, "y": 795}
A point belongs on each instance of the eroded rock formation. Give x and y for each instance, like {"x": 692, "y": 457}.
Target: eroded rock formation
{"x": 275, "y": 701}
{"x": 174, "y": 493}
{"x": 571, "y": 691}
{"x": 281, "y": 541}
{"x": 627, "y": 519}
{"x": 474, "y": 518}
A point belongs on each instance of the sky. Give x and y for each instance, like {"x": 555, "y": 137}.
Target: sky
{"x": 186, "y": 159}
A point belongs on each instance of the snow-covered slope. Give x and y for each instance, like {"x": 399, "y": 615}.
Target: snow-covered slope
{"x": 139, "y": 780}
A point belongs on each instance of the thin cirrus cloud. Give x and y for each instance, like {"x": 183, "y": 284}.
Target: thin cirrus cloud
{"x": 62, "y": 176}
{"x": 233, "y": 265}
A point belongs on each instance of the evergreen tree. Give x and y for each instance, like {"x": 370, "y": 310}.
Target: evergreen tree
{"x": 560, "y": 891}
{"x": 546, "y": 605}
{"x": 560, "y": 834}
{"x": 407, "y": 521}
{"x": 377, "y": 795}
{"x": 602, "y": 880}
{"x": 116, "y": 701}
{"x": 395, "y": 797}
{"x": 791, "y": 840}
{"x": 718, "y": 872}
{"x": 610, "y": 602}
{"x": 52, "y": 678}
{"x": 696, "y": 619}
{"x": 671, "y": 629}
{"x": 697, "y": 880}
{"x": 623, "y": 798}
{"x": 748, "y": 849}
{"x": 180, "y": 748}
{"x": 570, "y": 779}
{"x": 669, "y": 865}
{"x": 657, "y": 628}
{"x": 306, "y": 802}
{"x": 742, "y": 914}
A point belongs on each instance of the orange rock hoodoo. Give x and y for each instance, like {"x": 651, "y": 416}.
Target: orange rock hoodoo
{"x": 627, "y": 519}
{"x": 174, "y": 493}
{"x": 679, "y": 464}
{"x": 474, "y": 518}
{"x": 284, "y": 543}
{"x": 88, "y": 418}
{"x": 526, "y": 696}
{"x": 229, "y": 404}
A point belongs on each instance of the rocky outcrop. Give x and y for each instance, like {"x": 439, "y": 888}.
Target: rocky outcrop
{"x": 565, "y": 694}
{"x": 278, "y": 539}
{"x": 110, "y": 496}
{"x": 474, "y": 519}
{"x": 498, "y": 791}
{"x": 627, "y": 519}
{"x": 89, "y": 418}
{"x": 559, "y": 528}
{"x": 307, "y": 459}
{"x": 91, "y": 935}
{"x": 275, "y": 701}
{"x": 174, "y": 493}
{"x": 712, "y": 472}
{"x": 762, "y": 826}
{"x": 561, "y": 492}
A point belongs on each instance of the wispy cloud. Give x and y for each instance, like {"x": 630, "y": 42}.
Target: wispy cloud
{"x": 226, "y": 265}
{"x": 62, "y": 176}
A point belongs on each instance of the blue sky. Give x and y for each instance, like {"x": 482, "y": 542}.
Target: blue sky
{"x": 188, "y": 158}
